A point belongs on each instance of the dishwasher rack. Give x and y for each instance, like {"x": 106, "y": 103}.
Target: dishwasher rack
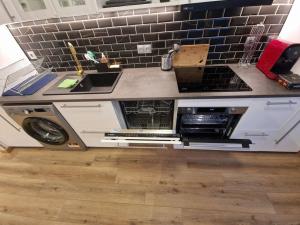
{"x": 148, "y": 114}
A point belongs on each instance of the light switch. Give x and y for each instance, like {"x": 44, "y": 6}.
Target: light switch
{"x": 143, "y": 49}
{"x": 31, "y": 55}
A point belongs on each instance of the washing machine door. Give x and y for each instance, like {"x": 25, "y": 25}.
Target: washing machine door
{"x": 45, "y": 131}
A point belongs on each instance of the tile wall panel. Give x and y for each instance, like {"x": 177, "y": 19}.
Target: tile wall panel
{"x": 117, "y": 34}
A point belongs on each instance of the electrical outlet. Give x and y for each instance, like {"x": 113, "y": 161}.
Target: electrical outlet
{"x": 148, "y": 48}
{"x": 140, "y": 49}
{"x": 143, "y": 49}
{"x": 31, "y": 55}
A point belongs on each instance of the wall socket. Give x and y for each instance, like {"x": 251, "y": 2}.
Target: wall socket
{"x": 31, "y": 55}
{"x": 144, "y": 49}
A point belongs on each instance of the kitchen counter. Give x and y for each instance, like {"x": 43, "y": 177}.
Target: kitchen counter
{"x": 152, "y": 83}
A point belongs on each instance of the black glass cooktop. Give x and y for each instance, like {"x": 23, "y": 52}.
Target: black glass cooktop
{"x": 209, "y": 79}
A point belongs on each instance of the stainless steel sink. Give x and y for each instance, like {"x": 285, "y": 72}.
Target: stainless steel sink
{"x": 93, "y": 83}
{"x": 97, "y": 83}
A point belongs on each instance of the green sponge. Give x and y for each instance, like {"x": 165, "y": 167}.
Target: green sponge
{"x": 67, "y": 83}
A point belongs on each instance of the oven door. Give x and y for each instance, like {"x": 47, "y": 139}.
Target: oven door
{"x": 143, "y": 137}
{"x": 216, "y": 144}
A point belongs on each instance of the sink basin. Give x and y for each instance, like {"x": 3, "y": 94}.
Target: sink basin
{"x": 97, "y": 83}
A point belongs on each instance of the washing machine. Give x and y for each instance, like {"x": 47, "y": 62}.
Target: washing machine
{"x": 45, "y": 124}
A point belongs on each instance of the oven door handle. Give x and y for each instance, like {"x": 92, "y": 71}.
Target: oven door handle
{"x": 245, "y": 143}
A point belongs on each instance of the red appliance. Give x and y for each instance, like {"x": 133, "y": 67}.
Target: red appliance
{"x": 278, "y": 57}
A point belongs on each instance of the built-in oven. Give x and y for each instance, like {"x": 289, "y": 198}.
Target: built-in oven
{"x": 145, "y": 122}
{"x": 210, "y": 126}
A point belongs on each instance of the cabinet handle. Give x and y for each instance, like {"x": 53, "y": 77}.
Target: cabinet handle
{"x": 290, "y": 102}
{"x": 92, "y": 132}
{"x": 263, "y": 134}
{"x": 80, "y": 106}
{"x": 286, "y": 133}
{"x": 7, "y": 121}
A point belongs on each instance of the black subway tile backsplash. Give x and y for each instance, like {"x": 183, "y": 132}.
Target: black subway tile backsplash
{"x": 91, "y": 24}
{"x": 211, "y": 32}
{"x": 165, "y": 17}
{"x": 239, "y": 21}
{"x": 74, "y": 34}
{"x": 114, "y": 31}
{"x": 151, "y": 37}
{"x": 61, "y": 36}
{"x": 77, "y": 25}
{"x": 165, "y": 36}
{"x": 268, "y": 9}
{"x": 158, "y": 27}
{"x": 274, "y": 19}
{"x": 173, "y": 26}
{"x": 123, "y": 39}
{"x": 119, "y": 21}
{"x": 255, "y": 20}
{"x": 137, "y": 38}
{"x": 227, "y": 31}
{"x": 232, "y": 39}
{"x": 217, "y": 40}
{"x": 36, "y": 37}
{"x": 104, "y": 23}
{"x": 118, "y": 33}
{"x": 128, "y": 30}
{"x": 149, "y": 19}
{"x": 63, "y": 26}
{"x": 283, "y": 9}
{"x": 38, "y": 29}
{"x": 221, "y": 22}
{"x": 230, "y": 12}
{"x": 252, "y": 10}
{"x": 134, "y": 20}
{"x": 215, "y": 13}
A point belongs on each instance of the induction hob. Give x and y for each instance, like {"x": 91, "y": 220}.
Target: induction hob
{"x": 209, "y": 79}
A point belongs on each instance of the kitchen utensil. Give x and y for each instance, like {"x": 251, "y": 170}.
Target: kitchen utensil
{"x": 88, "y": 57}
{"x": 191, "y": 56}
{"x": 74, "y": 55}
{"x": 166, "y": 62}
{"x": 251, "y": 43}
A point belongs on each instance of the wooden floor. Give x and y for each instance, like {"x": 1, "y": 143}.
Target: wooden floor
{"x": 148, "y": 187}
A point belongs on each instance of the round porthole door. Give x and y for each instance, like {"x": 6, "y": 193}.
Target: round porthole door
{"x": 45, "y": 131}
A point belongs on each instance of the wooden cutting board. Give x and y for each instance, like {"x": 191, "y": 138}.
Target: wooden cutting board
{"x": 191, "y": 56}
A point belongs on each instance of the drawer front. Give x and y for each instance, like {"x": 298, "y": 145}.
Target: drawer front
{"x": 90, "y": 116}
{"x": 272, "y": 113}
{"x": 262, "y": 140}
{"x": 228, "y": 102}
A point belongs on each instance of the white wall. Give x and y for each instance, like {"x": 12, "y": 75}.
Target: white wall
{"x": 291, "y": 30}
{"x": 4, "y": 18}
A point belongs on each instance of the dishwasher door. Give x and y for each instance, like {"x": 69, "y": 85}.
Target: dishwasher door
{"x": 130, "y": 136}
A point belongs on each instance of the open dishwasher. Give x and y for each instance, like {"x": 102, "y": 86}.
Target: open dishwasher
{"x": 147, "y": 122}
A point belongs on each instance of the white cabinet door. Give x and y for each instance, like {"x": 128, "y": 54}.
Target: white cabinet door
{"x": 268, "y": 113}
{"x": 74, "y": 7}
{"x": 90, "y": 120}
{"x": 263, "y": 122}
{"x": 12, "y": 135}
{"x": 34, "y": 9}
{"x": 4, "y": 17}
